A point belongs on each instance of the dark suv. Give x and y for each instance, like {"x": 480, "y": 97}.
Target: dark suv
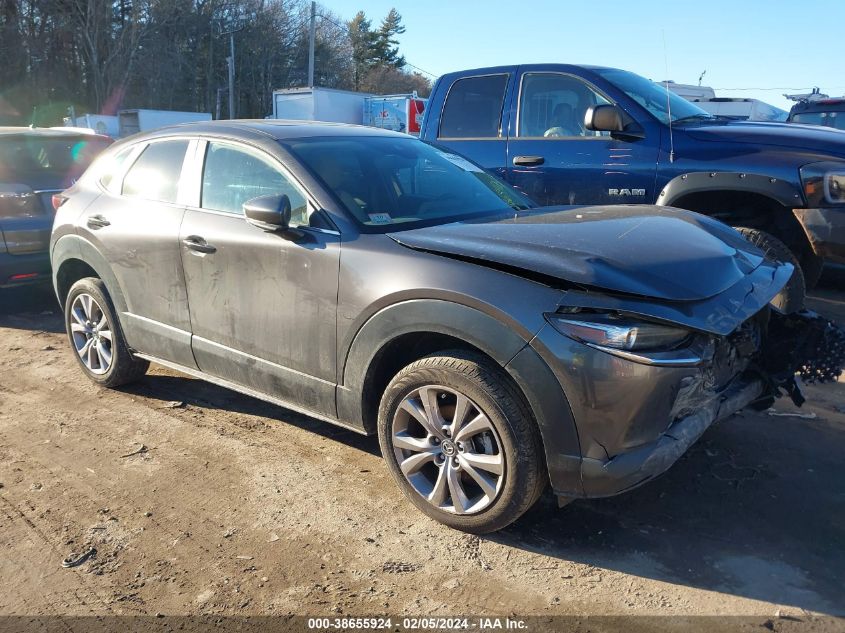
{"x": 35, "y": 165}
{"x": 825, "y": 112}
{"x": 370, "y": 280}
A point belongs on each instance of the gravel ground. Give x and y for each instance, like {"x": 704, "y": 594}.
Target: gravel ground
{"x": 201, "y": 501}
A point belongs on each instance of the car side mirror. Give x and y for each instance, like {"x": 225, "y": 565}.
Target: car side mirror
{"x": 611, "y": 118}
{"x": 271, "y": 213}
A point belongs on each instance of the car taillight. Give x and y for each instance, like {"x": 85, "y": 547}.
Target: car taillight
{"x": 58, "y": 200}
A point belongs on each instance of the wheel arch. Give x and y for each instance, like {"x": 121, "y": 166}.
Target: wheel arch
{"x": 74, "y": 258}
{"x": 780, "y": 191}
{"x": 741, "y": 199}
{"x": 407, "y": 331}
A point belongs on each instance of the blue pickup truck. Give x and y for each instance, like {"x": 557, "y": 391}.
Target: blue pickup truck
{"x": 568, "y": 134}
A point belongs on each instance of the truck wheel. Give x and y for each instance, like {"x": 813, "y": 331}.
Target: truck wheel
{"x": 96, "y": 338}
{"x": 812, "y": 266}
{"x": 461, "y": 443}
{"x": 796, "y": 288}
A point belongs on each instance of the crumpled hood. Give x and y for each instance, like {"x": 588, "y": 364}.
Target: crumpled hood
{"x": 642, "y": 250}
{"x": 792, "y": 135}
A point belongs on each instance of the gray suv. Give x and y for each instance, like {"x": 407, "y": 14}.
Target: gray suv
{"x": 376, "y": 282}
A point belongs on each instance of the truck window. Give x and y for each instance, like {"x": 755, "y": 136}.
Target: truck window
{"x": 553, "y": 105}
{"x": 473, "y": 107}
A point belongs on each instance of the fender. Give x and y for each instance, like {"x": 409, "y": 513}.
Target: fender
{"x": 510, "y": 350}
{"x": 782, "y": 191}
{"x": 425, "y": 315}
{"x": 74, "y": 247}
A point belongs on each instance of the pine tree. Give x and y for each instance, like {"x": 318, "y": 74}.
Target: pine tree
{"x": 387, "y": 46}
{"x": 363, "y": 41}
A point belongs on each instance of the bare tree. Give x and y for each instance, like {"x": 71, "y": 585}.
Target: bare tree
{"x": 103, "y": 55}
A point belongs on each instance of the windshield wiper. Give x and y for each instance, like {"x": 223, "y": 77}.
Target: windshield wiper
{"x": 693, "y": 117}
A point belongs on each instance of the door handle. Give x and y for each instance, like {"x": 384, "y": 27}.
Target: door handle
{"x": 196, "y": 243}
{"x": 97, "y": 222}
{"x": 528, "y": 161}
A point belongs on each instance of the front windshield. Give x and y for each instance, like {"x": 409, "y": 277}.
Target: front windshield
{"x": 389, "y": 181}
{"x": 653, "y": 96}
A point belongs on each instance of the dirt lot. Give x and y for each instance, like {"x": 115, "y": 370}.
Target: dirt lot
{"x": 234, "y": 506}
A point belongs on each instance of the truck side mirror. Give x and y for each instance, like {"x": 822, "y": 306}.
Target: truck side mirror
{"x": 271, "y": 213}
{"x": 611, "y": 118}
{"x": 604, "y": 118}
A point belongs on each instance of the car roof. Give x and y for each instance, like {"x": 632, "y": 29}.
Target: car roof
{"x": 47, "y": 132}
{"x": 278, "y": 129}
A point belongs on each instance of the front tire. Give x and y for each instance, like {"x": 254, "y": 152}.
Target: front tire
{"x": 460, "y": 442}
{"x": 812, "y": 266}
{"x": 796, "y": 288}
{"x": 96, "y": 338}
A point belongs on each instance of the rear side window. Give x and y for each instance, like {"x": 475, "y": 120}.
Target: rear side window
{"x": 112, "y": 168}
{"x": 155, "y": 175}
{"x": 473, "y": 107}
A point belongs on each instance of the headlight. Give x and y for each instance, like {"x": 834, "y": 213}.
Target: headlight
{"x": 605, "y": 330}
{"x": 824, "y": 184}
{"x": 834, "y": 188}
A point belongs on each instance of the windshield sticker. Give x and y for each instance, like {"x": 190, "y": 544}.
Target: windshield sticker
{"x": 463, "y": 163}
{"x": 380, "y": 218}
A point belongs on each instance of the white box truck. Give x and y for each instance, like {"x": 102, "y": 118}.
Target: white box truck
{"x": 134, "y": 121}
{"x": 319, "y": 104}
{"x": 742, "y": 109}
{"x": 728, "y": 107}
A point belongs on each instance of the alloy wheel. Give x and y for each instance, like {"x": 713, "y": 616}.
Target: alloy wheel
{"x": 448, "y": 450}
{"x": 91, "y": 334}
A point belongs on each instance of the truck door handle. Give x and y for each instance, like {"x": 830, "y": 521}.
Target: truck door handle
{"x": 196, "y": 243}
{"x": 528, "y": 161}
{"x": 97, "y": 222}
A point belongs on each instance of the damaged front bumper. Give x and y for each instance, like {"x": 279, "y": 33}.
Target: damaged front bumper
{"x": 634, "y": 419}
{"x": 825, "y": 229}
{"x": 602, "y": 478}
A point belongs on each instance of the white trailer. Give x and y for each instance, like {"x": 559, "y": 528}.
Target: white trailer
{"x": 99, "y": 123}
{"x": 743, "y": 109}
{"x": 400, "y": 113}
{"x": 689, "y": 91}
{"x": 729, "y": 107}
{"x": 134, "y": 121}
{"x": 319, "y": 104}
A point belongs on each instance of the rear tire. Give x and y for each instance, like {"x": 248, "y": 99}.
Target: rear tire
{"x": 96, "y": 338}
{"x": 477, "y": 472}
{"x": 796, "y": 288}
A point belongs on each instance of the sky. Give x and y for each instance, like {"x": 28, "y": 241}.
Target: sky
{"x": 749, "y": 48}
